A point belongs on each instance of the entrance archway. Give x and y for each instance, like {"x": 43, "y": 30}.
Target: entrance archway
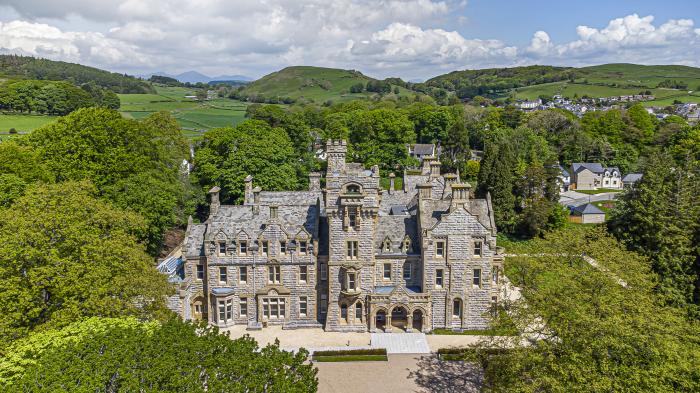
{"x": 380, "y": 320}
{"x": 418, "y": 320}
{"x": 399, "y": 317}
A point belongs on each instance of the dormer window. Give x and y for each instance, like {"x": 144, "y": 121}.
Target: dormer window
{"x": 302, "y": 247}
{"x": 387, "y": 246}
{"x": 406, "y": 245}
{"x": 243, "y": 247}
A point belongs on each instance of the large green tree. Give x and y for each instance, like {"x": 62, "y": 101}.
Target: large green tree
{"x": 174, "y": 357}
{"x": 226, "y": 156}
{"x": 65, "y": 254}
{"x": 588, "y": 328}
{"x": 660, "y": 218}
{"x": 136, "y": 164}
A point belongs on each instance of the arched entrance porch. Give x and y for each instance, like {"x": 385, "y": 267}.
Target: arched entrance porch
{"x": 399, "y": 317}
{"x": 380, "y": 320}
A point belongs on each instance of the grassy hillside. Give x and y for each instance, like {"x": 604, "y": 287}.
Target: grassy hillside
{"x": 666, "y": 82}
{"x": 193, "y": 116}
{"x": 311, "y": 83}
{"x": 23, "y": 67}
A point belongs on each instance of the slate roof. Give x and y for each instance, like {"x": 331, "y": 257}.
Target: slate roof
{"x": 289, "y": 197}
{"x": 564, "y": 172}
{"x": 594, "y": 167}
{"x": 588, "y": 208}
{"x": 296, "y": 211}
{"x": 632, "y": 178}
{"x": 423, "y": 149}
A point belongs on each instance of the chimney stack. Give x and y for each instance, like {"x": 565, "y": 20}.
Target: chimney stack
{"x": 248, "y": 196}
{"x": 424, "y": 191}
{"x": 314, "y": 181}
{"x": 460, "y": 195}
{"x": 435, "y": 168}
{"x": 214, "y": 201}
{"x": 256, "y": 200}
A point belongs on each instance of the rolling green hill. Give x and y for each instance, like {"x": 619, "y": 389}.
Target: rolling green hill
{"x": 24, "y": 67}
{"x": 316, "y": 84}
{"x": 666, "y": 82}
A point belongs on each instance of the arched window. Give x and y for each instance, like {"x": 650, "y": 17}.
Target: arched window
{"x": 352, "y": 189}
{"x": 457, "y": 308}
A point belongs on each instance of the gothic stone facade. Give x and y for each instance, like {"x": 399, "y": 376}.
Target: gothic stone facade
{"x": 349, "y": 257}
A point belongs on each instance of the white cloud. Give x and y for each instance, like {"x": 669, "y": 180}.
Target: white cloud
{"x": 409, "y": 38}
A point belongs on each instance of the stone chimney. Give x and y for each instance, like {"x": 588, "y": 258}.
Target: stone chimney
{"x": 460, "y": 195}
{"x": 435, "y": 168}
{"x": 248, "y": 196}
{"x": 256, "y": 200}
{"x": 214, "y": 203}
{"x": 314, "y": 181}
{"x": 392, "y": 178}
{"x": 273, "y": 212}
{"x": 425, "y": 170}
{"x": 425, "y": 191}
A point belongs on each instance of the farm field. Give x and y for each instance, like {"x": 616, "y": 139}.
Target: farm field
{"x": 568, "y": 89}
{"x": 22, "y": 123}
{"x": 193, "y": 116}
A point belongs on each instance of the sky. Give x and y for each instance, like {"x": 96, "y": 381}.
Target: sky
{"x": 411, "y": 39}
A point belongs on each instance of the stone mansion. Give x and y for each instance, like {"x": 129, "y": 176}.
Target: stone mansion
{"x": 348, "y": 256}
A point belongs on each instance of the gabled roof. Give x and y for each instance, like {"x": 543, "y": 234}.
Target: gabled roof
{"x": 632, "y": 177}
{"x": 594, "y": 167}
{"x": 423, "y": 149}
{"x": 588, "y": 208}
{"x": 564, "y": 172}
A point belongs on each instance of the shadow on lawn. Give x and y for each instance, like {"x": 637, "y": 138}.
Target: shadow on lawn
{"x": 434, "y": 375}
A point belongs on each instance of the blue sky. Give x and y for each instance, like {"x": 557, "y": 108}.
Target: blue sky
{"x": 515, "y": 21}
{"x": 412, "y": 39}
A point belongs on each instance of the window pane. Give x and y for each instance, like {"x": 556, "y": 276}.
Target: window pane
{"x": 243, "y": 274}
{"x": 222, "y": 274}
{"x": 358, "y": 311}
{"x": 477, "y": 277}
{"x": 407, "y": 271}
{"x": 387, "y": 270}
{"x": 243, "y": 305}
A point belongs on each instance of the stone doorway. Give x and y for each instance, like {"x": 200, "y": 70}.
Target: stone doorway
{"x": 380, "y": 320}
{"x": 418, "y": 320}
{"x": 399, "y": 317}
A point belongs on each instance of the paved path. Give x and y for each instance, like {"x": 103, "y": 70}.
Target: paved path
{"x": 401, "y": 374}
{"x": 401, "y": 342}
{"x": 573, "y": 198}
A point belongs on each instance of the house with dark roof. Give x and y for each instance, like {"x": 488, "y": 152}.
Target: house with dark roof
{"x": 349, "y": 257}
{"x": 422, "y": 150}
{"x": 592, "y": 176}
{"x": 630, "y": 179}
{"x": 587, "y": 214}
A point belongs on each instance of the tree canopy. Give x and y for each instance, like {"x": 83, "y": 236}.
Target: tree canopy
{"x": 65, "y": 254}
{"x": 124, "y": 355}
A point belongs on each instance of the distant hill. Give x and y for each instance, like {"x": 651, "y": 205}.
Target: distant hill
{"x": 316, "y": 84}
{"x": 198, "y": 77}
{"x": 24, "y": 67}
{"x": 666, "y": 82}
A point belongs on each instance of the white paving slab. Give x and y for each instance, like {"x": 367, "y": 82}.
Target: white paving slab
{"x": 401, "y": 342}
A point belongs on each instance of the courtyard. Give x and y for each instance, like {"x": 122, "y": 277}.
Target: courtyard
{"x": 403, "y": 373}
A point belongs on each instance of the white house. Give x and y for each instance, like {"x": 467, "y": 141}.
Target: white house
{"x": 592, "y": 176}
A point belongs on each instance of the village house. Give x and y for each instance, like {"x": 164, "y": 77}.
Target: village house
{"x": 347, "y": 257}
{"x": 592, "y": 176}
{"x": 630, "y": 179}
{"x": 422, "y": 150}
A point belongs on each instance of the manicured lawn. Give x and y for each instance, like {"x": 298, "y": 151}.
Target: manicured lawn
{"x": 598, "y": 191}
{"x": 351, "y": 358}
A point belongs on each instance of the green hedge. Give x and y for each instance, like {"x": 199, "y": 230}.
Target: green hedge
{"x": 347, "y": 352}
{"x": 351, "y": 358}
